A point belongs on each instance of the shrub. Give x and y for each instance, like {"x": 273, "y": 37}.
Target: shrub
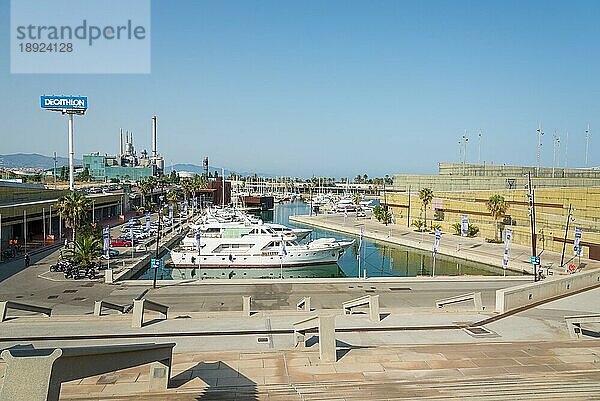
{"x": 438, "y": 215}
{"x": 419, "y": 224}
{"x": 435, "y": 226}
{"x": 473, "y": 230}
{"x": 457, "y": 228}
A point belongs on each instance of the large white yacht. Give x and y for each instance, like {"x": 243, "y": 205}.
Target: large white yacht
{"x": 255, "y": 246}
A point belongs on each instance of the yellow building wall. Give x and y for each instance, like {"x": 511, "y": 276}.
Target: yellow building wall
{"x": 552, "y": 205}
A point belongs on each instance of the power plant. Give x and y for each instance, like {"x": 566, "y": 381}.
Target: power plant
{"x": 127, "y": 165}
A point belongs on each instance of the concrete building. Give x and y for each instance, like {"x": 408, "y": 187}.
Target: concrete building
{"x": 456, "y": 195}
{"x": 28, "y": 214}
{"x": 127, "y": 165}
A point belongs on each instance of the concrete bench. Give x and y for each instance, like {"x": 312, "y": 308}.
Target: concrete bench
{"x": 475, "y": 296}
{"x": 140, "y": 305}
{"x": 5, "y": 305}
{"x": 574, "y": 323}
{"x": 371, "y": 300}
{"x": 98, "y": 305}
{"x": 246, "y": 305}
{"x": 36, "y": 374}
{"x": 326, "y": 332}
{"x": 304, "y": 304}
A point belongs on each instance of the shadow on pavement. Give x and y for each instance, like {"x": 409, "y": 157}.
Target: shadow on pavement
{"x": 223, "y": 382}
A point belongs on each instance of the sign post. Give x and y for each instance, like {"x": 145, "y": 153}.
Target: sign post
{"x": 69, "y": 105}
{"x": 506, "y": 249}
{"x": 436, "y": 244}
{"x": 464, "y": 227}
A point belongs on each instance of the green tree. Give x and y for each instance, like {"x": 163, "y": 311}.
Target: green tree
{"x": 73, "y": 208}
{"x": 173, "y": 177}
{"x": 497, "y": 207}
{"x": 377, "y": 212}
{"x": 146, "y": 186}
{"x": 386, "y": 217}
{"x": 86, "y": 251}
{"x": 426, "y": 196}
{"x": 356, "y": 199}
{"x": 84, "y": 175}
{"x": 173, "y": 198}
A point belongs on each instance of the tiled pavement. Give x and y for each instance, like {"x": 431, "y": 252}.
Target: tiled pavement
{"x": 521, "y": 370}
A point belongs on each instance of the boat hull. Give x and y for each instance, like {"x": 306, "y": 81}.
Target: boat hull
{"x": 295, "y": 258}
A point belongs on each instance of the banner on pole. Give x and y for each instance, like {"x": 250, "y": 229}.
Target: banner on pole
{"x": 171, "y": 214}
{"x": 148, "y": 222}
{"x": 506, "y": 248}
{"x": 577, "y": 243}
{"x": 464, "y": 227}
{"x": 106, "y": 238}
{"x": 436, "y": 244}
{"x": 198, "y": 236}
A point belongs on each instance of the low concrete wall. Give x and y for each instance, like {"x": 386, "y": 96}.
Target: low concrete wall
{"x": 508, "y": 299}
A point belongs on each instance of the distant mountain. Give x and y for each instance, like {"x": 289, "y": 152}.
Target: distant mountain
{"x": 33, "y": 160}
{"x": 198, "y": 170}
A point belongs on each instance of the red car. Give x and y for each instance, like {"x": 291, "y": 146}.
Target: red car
{"x": 120, "y": 242}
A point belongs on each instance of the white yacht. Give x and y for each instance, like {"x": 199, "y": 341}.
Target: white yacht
{"x": 300, "y": 233}
{"x": 255, "y": 246}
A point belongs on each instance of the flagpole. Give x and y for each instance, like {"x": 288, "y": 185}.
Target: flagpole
{"x": 359, "y": 250}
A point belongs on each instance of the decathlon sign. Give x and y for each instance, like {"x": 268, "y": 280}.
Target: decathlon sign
{"x": 64, "y": 102}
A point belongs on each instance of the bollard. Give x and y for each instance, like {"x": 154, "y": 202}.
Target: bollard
{"x": 246, "y": 305}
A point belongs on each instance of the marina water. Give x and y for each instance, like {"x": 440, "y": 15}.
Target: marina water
{"x": 379, "y": 259}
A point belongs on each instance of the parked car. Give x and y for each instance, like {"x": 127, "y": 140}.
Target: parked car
{"x": 120, "y": 242}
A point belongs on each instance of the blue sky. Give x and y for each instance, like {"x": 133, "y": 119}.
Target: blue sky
{"x": 335, "y": 88}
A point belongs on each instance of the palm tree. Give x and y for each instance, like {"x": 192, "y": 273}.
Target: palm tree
{"x": 497, "y": 207}
{"x": 86, "y": 251}
{"x": 198, "y": 183}
{"x": 146, "y": 186}
{"x": 426, "y": 196}
{"x": 386, "y": 216}
{"x": 356, "y": 199}
{"x": 173, "y": 198}
{"x": 73, "y": 208}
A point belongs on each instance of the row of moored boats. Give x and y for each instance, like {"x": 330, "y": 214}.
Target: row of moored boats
{"x": 233, "y": 239}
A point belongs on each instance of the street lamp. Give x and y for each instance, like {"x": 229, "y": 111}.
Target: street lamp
{"x": 160, "y": 205}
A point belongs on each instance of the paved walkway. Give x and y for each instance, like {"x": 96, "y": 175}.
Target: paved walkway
{"x": 475, "y": 249}
{"x": 525, "y": 370}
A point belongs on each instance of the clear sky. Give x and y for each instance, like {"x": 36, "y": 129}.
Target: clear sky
{"x": 335, "y": 88}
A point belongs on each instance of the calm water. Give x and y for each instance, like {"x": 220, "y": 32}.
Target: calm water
{"x": 380, "y": 260}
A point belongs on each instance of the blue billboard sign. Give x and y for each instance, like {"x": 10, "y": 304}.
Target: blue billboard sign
{"x": 64, "y": 102}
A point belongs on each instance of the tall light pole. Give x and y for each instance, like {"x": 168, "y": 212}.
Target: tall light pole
{"x": 540, "y": 133}
{"x": 69, "y": 105}
{"x": 555, "y": 144}
{"x": 465, "y": 139}
{"x": 479, "y": 147}
{"x": 587, "y": 143}
{"x": 54, "y": 170}
{"x": 566, "y": 162}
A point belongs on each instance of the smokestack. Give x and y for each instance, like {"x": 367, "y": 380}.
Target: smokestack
{"x": 120, "y": 141}
{"x": 154, "y": 136}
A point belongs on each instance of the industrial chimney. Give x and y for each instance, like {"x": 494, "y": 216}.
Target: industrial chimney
{"x": 154, "y": 154}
